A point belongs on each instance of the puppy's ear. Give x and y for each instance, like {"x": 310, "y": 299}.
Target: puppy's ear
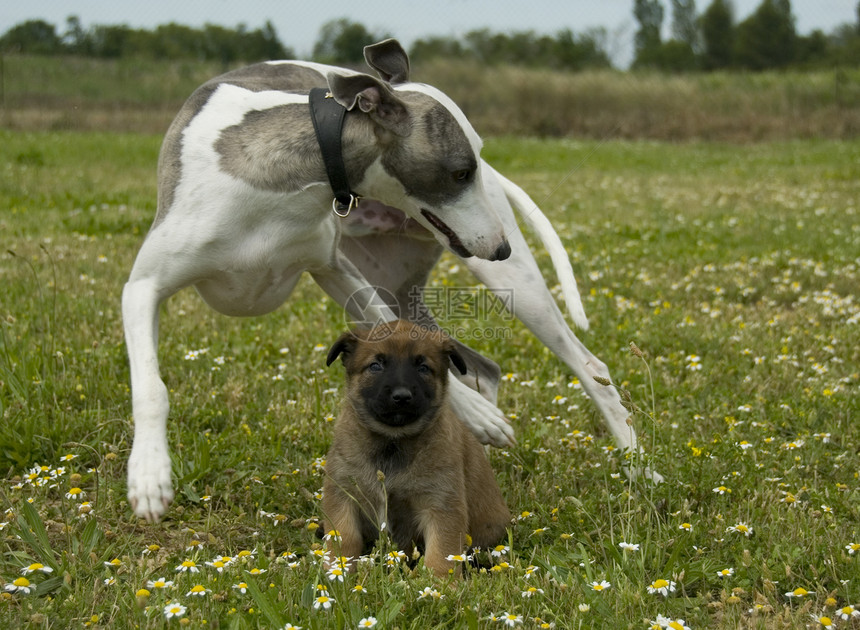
{"x": 389, "y": 59}
{"x": 344, "y": 345}
{"x": 455, "y": 357}
{"x": 374, "y": 98}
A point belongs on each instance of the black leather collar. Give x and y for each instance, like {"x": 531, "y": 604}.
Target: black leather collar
{"x": 328, "y": 115}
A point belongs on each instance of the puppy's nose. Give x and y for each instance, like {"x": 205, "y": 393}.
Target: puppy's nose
{"x": 502, "y": 252}
{"x": 401, "y": 395}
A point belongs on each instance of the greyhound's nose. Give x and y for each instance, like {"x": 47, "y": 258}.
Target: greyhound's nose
{"x": 401, "y": 395}
{"x": 502, "y": 252}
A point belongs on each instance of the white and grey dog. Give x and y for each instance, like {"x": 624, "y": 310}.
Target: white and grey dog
{"x": 245, "y": 206}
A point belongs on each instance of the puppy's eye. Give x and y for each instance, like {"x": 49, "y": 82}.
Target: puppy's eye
{"x": 423, "y": 368}
{"x": 376, "y": 366}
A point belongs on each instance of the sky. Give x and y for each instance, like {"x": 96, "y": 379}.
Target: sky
{"x": 298, "y": 22}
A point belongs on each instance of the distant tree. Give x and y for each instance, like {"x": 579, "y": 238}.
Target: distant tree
{"x": 718, "y": 35}
{"x": 343, "y": 41}
{"x": 76, "y": 39}
{"x": 649, "y": 14}
{"x": 433, "y": 47}
{"x": 813, "y": 49}
{"x": 685, "y": 24}
{"x": 34, "y": 37}
{"x": 767, "y": 38}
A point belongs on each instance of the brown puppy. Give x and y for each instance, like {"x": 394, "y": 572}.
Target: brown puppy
{"x": 438, "y": 486}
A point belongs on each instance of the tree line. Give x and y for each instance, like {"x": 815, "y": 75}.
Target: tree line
{"x": 710, "y": 40}
{"x": 714, "y": 40}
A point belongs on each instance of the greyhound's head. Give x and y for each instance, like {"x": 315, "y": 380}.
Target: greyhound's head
{"x": 429, "y": 164}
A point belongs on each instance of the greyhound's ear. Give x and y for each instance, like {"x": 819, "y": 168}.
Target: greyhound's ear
{"x": 344, "y": 345}
{"x": 374, "y": 98}
{"x": 389, "y": 59}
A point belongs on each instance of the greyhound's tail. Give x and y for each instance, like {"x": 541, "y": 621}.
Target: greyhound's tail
{"x": 538, "y": 222}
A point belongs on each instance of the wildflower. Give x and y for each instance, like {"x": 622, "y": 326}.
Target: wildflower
{"x": 723, "y": 573}
{"x": 150, "y": 550}
{"x": 530, "y": 571}
{"x": 798, "y": 593}
{"x": 242, "y": 555}
{"x": 532, "y": 590}
{"x": 76, "y": 494}
{"x": 367, "y": 622}
{"x": 852, "y": 548}
{"x": 600, "y": 586}
{"x": 626, "y": 546}
{"x": 85, "y": 509}
{"x": 109, "y": 581}
{"x": 848, "y": 612}
{"x": 430, "y": 593}
{"x": 335, "y": 573}
{"x": 511, "y": 620}
{"x": 661, "y": 586}
{"x": 460, "y": 557}
{"x": 672, "y": 624}
{"x": 67, "y": 458}
{"x": 499, "y": 550}
{"x": 217, "y": 564}
{"x": 197, "y": 591}
{"x": 142, "y": 593}
{"x": 584, "y": 608}
{"x": 20, "y": 585}
{"x": 741, "y": 528}
{"x": 242, "y": 587}
{"x": 159, "y": 583}
{"x": 174, "y": 609}
{"x": 687, "y": 527}
{"x": 323, "y": 601}
{"x": 290, "y": 626}
{"x": 256, "y": 571}
{"x": 36, "y": 566}
{"x": 826, "y": 622}
{"x": 187, "y": 566}
{"x": 722, "y": 490}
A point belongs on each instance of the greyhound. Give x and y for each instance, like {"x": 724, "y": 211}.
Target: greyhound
{"x": 243, "y": 211}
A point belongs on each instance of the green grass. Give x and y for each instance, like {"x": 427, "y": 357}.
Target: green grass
{"x": 742, "y": 261}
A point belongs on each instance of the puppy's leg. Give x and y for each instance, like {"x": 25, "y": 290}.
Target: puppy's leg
{"x": 444, "y": 535}
{"x": 342, "y": 523}
{"x": 149, "y": 486}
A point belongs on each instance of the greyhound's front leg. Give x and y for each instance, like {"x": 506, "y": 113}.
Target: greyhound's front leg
{"x": 149, "y": 486}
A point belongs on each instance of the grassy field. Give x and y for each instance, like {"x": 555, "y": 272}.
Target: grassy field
{"x": 735, "y": 269}
{"x": 39, "y": 93}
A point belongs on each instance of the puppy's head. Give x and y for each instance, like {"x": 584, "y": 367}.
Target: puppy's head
{"x": 397, "y": 375}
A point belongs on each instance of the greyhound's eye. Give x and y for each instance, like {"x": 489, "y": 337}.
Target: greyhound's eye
{"x": 376, "y": 366}
{"x": 463, "y": 176}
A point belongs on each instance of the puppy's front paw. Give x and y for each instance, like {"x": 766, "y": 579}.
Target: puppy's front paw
{"x": 481, "y": 416}
{"x": 150, "y": 490}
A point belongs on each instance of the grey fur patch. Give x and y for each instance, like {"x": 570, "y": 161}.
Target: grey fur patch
{"x": 276, "y": 149}
{"x": 437, "y": 148}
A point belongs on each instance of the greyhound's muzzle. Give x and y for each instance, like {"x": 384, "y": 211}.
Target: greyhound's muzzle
{"x": 502, "y": 252}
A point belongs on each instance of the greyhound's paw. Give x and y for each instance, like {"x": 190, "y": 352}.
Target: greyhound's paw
{"x": 150, "y": 490}
{"x": 481, "y": 416}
